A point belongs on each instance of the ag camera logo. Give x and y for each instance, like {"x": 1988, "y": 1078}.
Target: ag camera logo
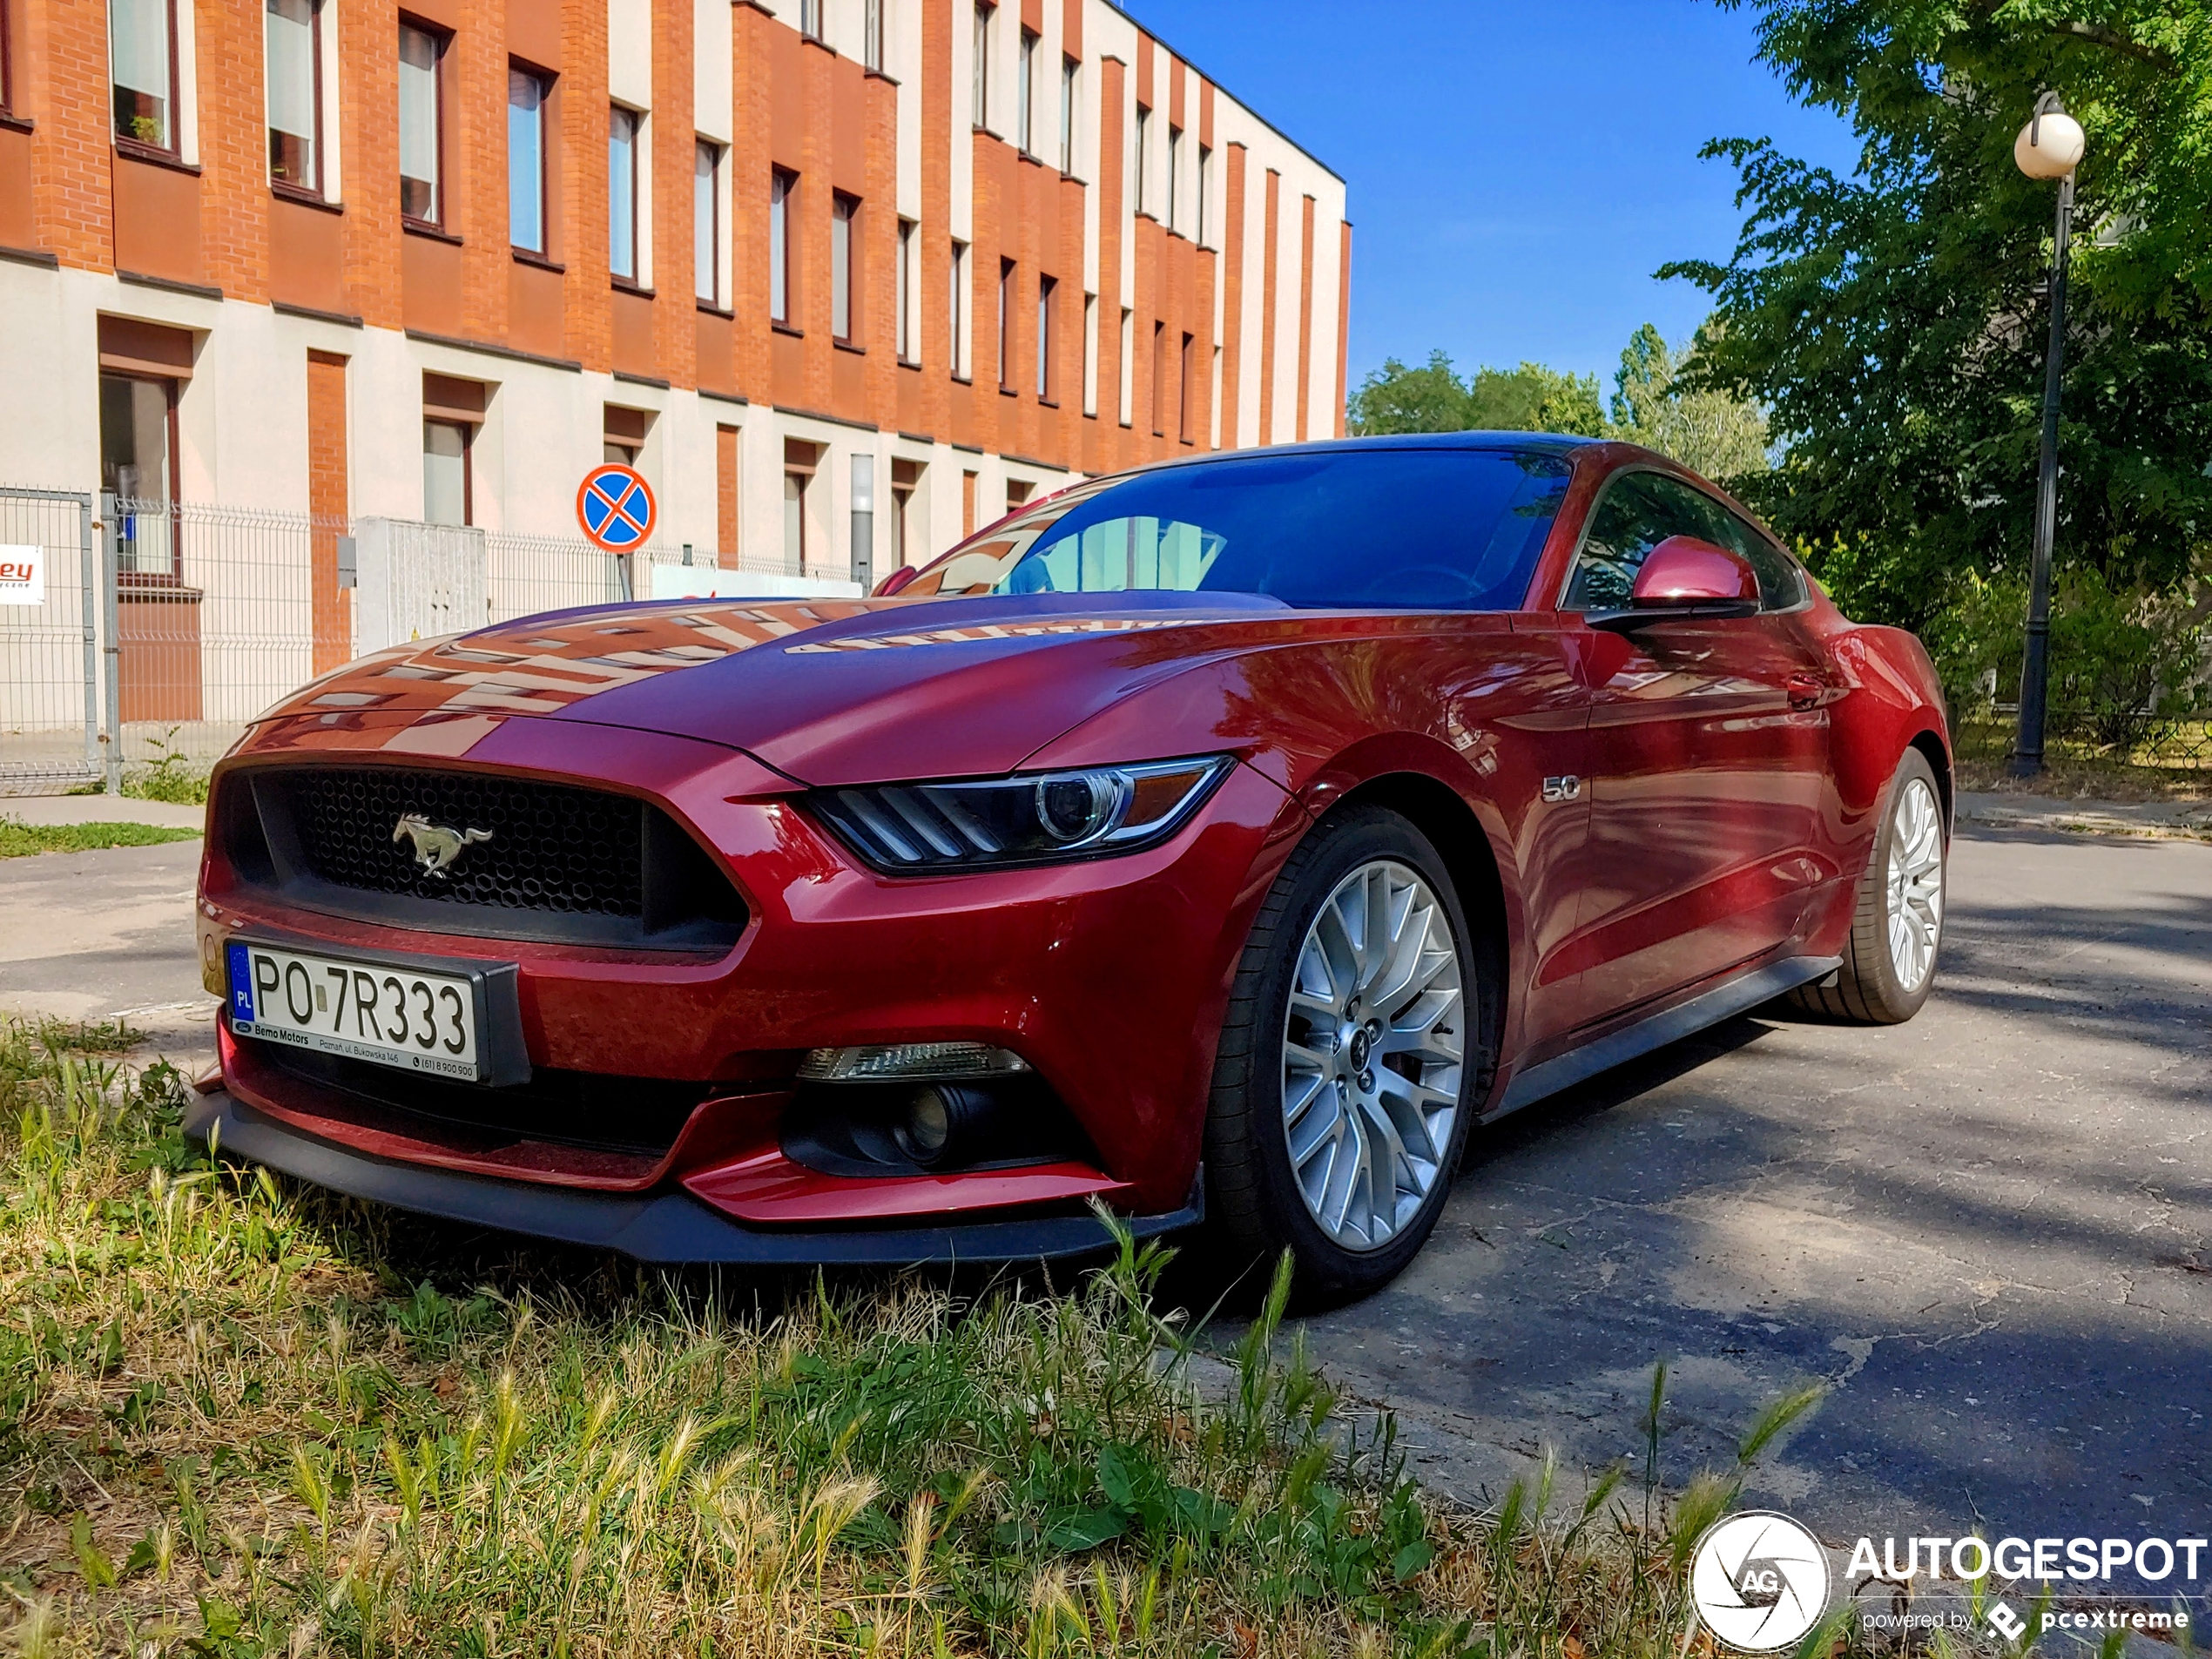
{"x": 1759, "y": 1581}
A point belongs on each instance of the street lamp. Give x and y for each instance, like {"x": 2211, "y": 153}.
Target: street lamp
{"x": 2049, "y": 146}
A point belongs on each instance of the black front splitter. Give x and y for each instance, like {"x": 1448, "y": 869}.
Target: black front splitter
{"x": 669, "y": 1227}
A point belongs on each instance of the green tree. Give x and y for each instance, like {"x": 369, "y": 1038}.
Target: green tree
{"x": 1655, "y": 404}
{"x": 1433, "y": 398}
{"x": 1892, "y": 323}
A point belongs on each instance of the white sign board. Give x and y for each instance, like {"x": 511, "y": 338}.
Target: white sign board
{"x": 23, "y": 574}
{"x": 706, "y": 582}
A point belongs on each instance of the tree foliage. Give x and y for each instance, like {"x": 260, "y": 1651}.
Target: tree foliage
{"x": 1893, "y": 323}
{"x": 1656, "y": 404}
{"x": 1435, "y": 398}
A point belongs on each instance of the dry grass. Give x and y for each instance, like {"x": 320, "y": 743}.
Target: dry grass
{"x": 242, "y": 1418}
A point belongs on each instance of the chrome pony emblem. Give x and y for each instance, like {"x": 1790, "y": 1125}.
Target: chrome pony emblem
{"x": 435, "y": 846}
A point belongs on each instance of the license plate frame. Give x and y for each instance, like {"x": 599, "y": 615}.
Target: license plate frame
{"x": 492, "y": 990}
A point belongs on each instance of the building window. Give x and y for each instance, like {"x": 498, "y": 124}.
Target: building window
{"x": 142, "y": 68}
{"x": 962, "y": 367}
{"x": 1024, "y": 103}
{"x": 1143, "y": 155}
{"x": 1048, "y": 295}
{"x": 1069, "y": 69}
{"x": 982, "y": 56}
{"x": 291, "y": 42}
{"x": 844, "y": 210}
{"x": 1091, "y": 355}
{"x": 862, "y": 497}
{"x": 526, "y": 93}
{"x": 810, "y": 18}
{"x": 871, "y": 35}
{"x": 780, "y": 186}
{"x": 1174, "y": 170}
{"x": 422, "y": 125}
{"x": 706, "y": 221}
{"x": 1183, "y": 391}
{"x": 909, "y": 240}
{"x": 622, "y": 192}
{"x": 1205, "y": 166}
{"x": 1129, "y": 367}
{"x": 1018, "y": 491}
{"x": 1005, "y": 325}
{"x": 138, "y": 437}
{"x": 447, "y": 491}
{"x": 1159, "y": 380}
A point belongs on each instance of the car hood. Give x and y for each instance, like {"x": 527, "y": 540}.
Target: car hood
{"x": 827, "y": 691}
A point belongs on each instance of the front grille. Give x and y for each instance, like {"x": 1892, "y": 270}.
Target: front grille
{"x": 536, "y": 861}
{"x": 549, "y": 848}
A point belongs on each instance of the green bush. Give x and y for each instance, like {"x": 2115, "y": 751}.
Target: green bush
{"x": 170, "y": 777}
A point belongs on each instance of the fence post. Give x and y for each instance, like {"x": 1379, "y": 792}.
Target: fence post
{"x": 89, "y": 580}
{"x": 112, "y": 648}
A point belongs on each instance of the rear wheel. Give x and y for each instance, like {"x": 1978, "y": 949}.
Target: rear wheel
{"x": 1889, "y": 963}
{"x": 1342, "y": 1093}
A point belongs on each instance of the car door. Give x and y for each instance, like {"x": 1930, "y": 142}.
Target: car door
{"x": 1708, "y": 748}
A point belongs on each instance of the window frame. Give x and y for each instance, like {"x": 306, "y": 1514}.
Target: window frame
{"x": 313, "y": 189}
{"x": 1205, "y": 166}
{"x": 810, "y": 18}
{"x": 844, "y": 269}
{"x": 615, "y": 111}
{"x": 705, "y": 147}
{"x": 905, "y": 347}
{"x": 1071, "y": 71}
{"x": 1174, "y": 167}
{"x": 783, "y": 186}
{"x": 520, "y": 69}
{"x": 1025, "y": 93}
{"x": 982, "y": 54}
{"x": 963, "y": 364}
{"x": 1143, "y": 145}
{"x": 174, "y": 150}
{"x": 1047, "y": 319}
{"x": 439, "y": 40}
{"x": 1612, "y": 481}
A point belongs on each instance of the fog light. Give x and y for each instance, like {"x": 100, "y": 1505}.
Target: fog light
{"x": 886, "y": 1062}
{"x": 942, "y": 1122}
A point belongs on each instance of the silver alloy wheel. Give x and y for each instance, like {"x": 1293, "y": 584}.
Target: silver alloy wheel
{"x": 1916, "y": 884}
{"x": 1372, "y": 1048}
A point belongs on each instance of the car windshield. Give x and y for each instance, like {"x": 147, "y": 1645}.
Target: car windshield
{"x": 1430, "y": 528}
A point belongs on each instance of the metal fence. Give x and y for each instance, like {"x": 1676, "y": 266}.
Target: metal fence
{"x": 152, "y": 631}
{"x": 2123, "y": 737}
{"x": 50, "y": 710}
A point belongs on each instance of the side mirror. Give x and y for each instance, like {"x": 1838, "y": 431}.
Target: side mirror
{"x": 896, "y": 580}
{"x": 1685, "y": 577}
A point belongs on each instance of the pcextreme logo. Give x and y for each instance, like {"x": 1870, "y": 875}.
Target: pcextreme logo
{"x": 1759, "y": 1581}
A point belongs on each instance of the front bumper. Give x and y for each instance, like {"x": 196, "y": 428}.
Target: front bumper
{"x": 669, "y": 1227}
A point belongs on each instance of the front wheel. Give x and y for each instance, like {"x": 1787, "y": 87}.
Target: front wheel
{"x": 1889, "y": 963}
{"x": 1344, "y": 1087}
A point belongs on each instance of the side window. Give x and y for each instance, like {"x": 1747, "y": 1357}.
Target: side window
{"x": 1638, "y": 511}
{"x": 1780, "y": 586}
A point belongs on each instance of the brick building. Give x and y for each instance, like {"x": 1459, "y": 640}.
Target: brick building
{"x": 842, "y": 278}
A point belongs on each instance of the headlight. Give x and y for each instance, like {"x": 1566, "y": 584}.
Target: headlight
{"x": 1032, "y": 817}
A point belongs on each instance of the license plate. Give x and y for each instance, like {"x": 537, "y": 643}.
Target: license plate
{"x": 394, "y": 1016}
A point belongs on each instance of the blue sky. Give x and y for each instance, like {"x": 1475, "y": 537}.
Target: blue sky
{"x": 1516, "y": 170}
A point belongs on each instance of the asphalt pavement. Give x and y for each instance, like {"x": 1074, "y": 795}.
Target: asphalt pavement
{"x": 1989, "y": 1232}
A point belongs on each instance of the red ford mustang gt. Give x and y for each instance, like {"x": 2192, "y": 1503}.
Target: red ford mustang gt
{"x": 1226, "y": 840}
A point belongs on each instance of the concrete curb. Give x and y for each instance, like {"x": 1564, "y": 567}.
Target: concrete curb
{"x": 2158, "y": 817}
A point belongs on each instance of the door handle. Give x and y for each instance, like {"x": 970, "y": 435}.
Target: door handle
{"x": 1806, "y": 690}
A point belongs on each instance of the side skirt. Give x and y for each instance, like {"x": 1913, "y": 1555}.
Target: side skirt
{"x": 1657, "y": 1030}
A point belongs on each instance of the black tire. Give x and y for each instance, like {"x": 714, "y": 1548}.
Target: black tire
{"x": 1867, "y": 989}
{"x": 1254, "y": 1205}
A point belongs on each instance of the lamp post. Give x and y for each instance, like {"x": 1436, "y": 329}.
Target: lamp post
{"x": 2049, "y": 146}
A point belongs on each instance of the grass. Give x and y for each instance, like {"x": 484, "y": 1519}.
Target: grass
{"x": 2078, "y": 770}
{"x": 243, "y": 1418}
{"x": 18, "y": 839}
